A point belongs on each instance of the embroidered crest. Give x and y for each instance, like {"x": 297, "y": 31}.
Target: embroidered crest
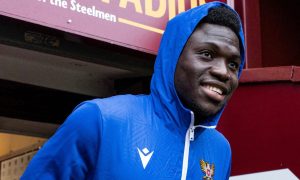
{"x": 208, "y": 169}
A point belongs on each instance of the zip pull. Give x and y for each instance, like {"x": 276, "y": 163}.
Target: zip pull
{"x": 192, "y": 133}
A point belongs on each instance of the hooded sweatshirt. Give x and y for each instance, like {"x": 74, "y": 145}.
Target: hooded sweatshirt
{"x": 140, "y": 136}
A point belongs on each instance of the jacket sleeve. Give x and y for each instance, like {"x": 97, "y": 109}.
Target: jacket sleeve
{"x": 72, "y": 152}
{"x": 228, "y": 171}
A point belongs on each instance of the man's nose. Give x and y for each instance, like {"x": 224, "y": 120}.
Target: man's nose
{"x": 220, "y": 70}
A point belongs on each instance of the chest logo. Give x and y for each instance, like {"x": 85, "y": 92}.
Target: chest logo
{"x": 208, "y": 170}
{"x": 145, "y": 156}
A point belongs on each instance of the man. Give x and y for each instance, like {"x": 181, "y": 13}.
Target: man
{"x": 169, "y": 134}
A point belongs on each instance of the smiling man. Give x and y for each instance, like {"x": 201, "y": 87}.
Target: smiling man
{"x": 170, "y": 133}
{"x": 207, "y": 70}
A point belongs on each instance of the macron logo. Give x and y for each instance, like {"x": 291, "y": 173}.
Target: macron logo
{"x": 145, "y": 156}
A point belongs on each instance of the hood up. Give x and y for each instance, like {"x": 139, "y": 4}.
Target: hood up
{"x": 175, "y": 116}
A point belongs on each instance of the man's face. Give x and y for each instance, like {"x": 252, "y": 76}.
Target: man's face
{"x": 207, "y": 70}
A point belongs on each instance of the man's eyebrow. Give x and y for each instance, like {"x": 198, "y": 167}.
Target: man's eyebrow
{"x": 236, "y": 56}
{"x": 214, "y": 46}
{"x": 211, "y": 44}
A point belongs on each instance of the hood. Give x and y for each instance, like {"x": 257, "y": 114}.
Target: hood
{"x": 167, "y": 104}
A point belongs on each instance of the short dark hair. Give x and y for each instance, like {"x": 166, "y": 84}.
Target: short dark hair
{"x": 223, "y": 16}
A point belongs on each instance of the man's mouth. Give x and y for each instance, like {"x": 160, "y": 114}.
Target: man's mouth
{"x": 215, "y": 92}
{"x": 214, "y": 89}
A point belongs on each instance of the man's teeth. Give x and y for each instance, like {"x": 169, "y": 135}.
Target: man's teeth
{"x": 215, "y": 89}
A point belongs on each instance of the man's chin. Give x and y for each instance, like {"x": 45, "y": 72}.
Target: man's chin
{"x": 204, "y": 113}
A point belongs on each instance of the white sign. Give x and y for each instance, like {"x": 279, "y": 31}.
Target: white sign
{"x": 282, "y": 174}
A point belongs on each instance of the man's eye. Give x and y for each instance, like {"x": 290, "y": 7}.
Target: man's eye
{"x": 233, "y": 65}
{"x": 206, "y": 54}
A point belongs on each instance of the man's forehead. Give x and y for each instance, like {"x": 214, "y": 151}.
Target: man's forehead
{"x": 207, "y": 31}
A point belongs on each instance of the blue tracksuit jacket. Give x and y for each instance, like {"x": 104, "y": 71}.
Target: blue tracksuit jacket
{"x": 140, "y": 137}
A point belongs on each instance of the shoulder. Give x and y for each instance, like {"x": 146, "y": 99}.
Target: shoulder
{"x": 222, "y": 141}
{"x": 83, "y": 122}
{"x": 216, "y": 140}
{"x": 73, "y": 150}
{"x": 221, "y": 138}
{"x": 121, "y": 106}
{"x": 119, "y": 100}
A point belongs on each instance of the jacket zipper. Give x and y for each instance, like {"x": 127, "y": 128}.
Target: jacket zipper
{"x": 188, "y": 137}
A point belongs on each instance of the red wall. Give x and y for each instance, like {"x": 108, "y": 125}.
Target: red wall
{"x": 280, "y": 32}
{"x": 262, "y": 123}
{"x": 262, "y": 120}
